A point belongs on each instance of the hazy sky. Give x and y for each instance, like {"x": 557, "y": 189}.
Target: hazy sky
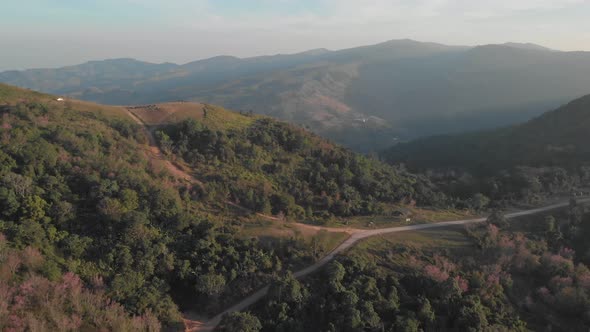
{"x": 50, "y": 33}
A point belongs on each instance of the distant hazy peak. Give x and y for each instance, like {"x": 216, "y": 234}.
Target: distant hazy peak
{"x": 411, "y": 42}
{"x": 215, "y": 59}
{"x": 527, "y": 46}
{"x": 316, "y": 51}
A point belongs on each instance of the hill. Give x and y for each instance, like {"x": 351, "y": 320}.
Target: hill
{"x": 272, "y": 167}
{"x": 128, "y": 237}
{"x": 557, "y": 138}
{"x": 533, "y": 271}
{"x": 550, "y": 148}
{"x": 366, "y": 98}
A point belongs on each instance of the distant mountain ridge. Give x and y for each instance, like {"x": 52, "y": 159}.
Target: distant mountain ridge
{"x": 366, "y": 97}
{"x": 557, "y": 138}
{"x": 527, "y": 46}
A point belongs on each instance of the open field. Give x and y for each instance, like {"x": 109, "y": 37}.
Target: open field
{"x": 442, "y": 238}
{"x": 417, "y": 216}
{"x": 214, "y": 117}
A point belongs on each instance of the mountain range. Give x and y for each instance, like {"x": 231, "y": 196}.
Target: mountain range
{"x": 366, "y": 98}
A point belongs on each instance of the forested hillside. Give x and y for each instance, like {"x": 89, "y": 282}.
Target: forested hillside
{"x": 86, "y": 208}
{"x": 548, "y": 154}
{"x": 530, "y": 275}
{"x": 275, "y": 168}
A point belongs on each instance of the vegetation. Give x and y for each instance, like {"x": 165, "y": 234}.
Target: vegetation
{"x": 127, "y": 243}
{"x": 32, "y": 302}
{"x": 526, "y": 276}
{"x": 545, "y": 156}
{"x": 363, "y": 97}
{"x": 78, "y": 190}
{"x": 95, "y": 235}
{"x": 238, "y": 321}
{"x": 274, "y": 168}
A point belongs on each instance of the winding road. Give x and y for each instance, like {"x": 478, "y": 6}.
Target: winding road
{"x": 355, "y": 234}
{"x": 351, "y": 241}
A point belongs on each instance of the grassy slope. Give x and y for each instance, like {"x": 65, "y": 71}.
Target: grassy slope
{"x": 10, "y": 95}
{"x": 392, "y": 251}
{"x": 218, "y": 118}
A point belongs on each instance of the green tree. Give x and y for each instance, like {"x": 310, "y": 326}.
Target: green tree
{"x": 34, "y": 207}
{"x": 336, "y": 273}
{"x": 370, "y": 318}
{"x": 498, "y": 219}
{"x": 129, "y": 200}
{"x": 426, "y": 313}
{"x": 211, "y": 284}
{"x": 406, "y": 324}
{"x": 9, "y": 202}
{"x": 553, "y": 234}
{"x": 165, "y": 142}
{"x": 472, "y": 315}
{"x": 289, "y": 290}
{"x": 479, "y": 202}
{"x": 240, "y": 321}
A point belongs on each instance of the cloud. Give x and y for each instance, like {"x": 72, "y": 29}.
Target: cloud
{"x": 185, "y": 30}
{"x": 326, "y": 14}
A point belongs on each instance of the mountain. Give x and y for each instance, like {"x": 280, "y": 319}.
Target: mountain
{"x": 556, "y": 138}
{"x": 545, "y": 156}
{"x": 118, "y": 218}
{"x": 367, "y": 97}
{"x": 527, "y": 46}
{"x": 94, "y": 75}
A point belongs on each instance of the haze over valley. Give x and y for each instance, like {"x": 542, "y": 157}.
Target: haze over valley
{"x": 397, "y": 90}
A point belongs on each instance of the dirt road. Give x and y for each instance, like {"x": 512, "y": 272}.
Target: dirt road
{"x": 351, "y": 241}
{"x": 355, "y": 234}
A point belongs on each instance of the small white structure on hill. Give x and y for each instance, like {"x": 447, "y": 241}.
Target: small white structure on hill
{"x": 60, "y": 99}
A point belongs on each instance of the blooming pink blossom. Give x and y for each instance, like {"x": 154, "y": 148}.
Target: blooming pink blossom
{"x": 463, "y": 284}
{"x": 556, "y": 283}
{"x": 545, "y": 294}
{"x": 435, "y": 273}
{"x": 583, "y": 280}
{"x": 567, "y": 253}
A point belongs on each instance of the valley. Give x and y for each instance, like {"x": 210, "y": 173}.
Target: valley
{"x": 366, "y": 98}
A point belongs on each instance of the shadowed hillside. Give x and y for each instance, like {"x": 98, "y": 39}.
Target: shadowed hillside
{"x": 547, "y": 155}
{"x": 557, "y": 138}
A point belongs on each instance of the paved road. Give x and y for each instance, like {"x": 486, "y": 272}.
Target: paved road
{"x": 351, "y": 241}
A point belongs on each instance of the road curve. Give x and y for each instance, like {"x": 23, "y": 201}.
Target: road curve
{"x": 351, "y": 241}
